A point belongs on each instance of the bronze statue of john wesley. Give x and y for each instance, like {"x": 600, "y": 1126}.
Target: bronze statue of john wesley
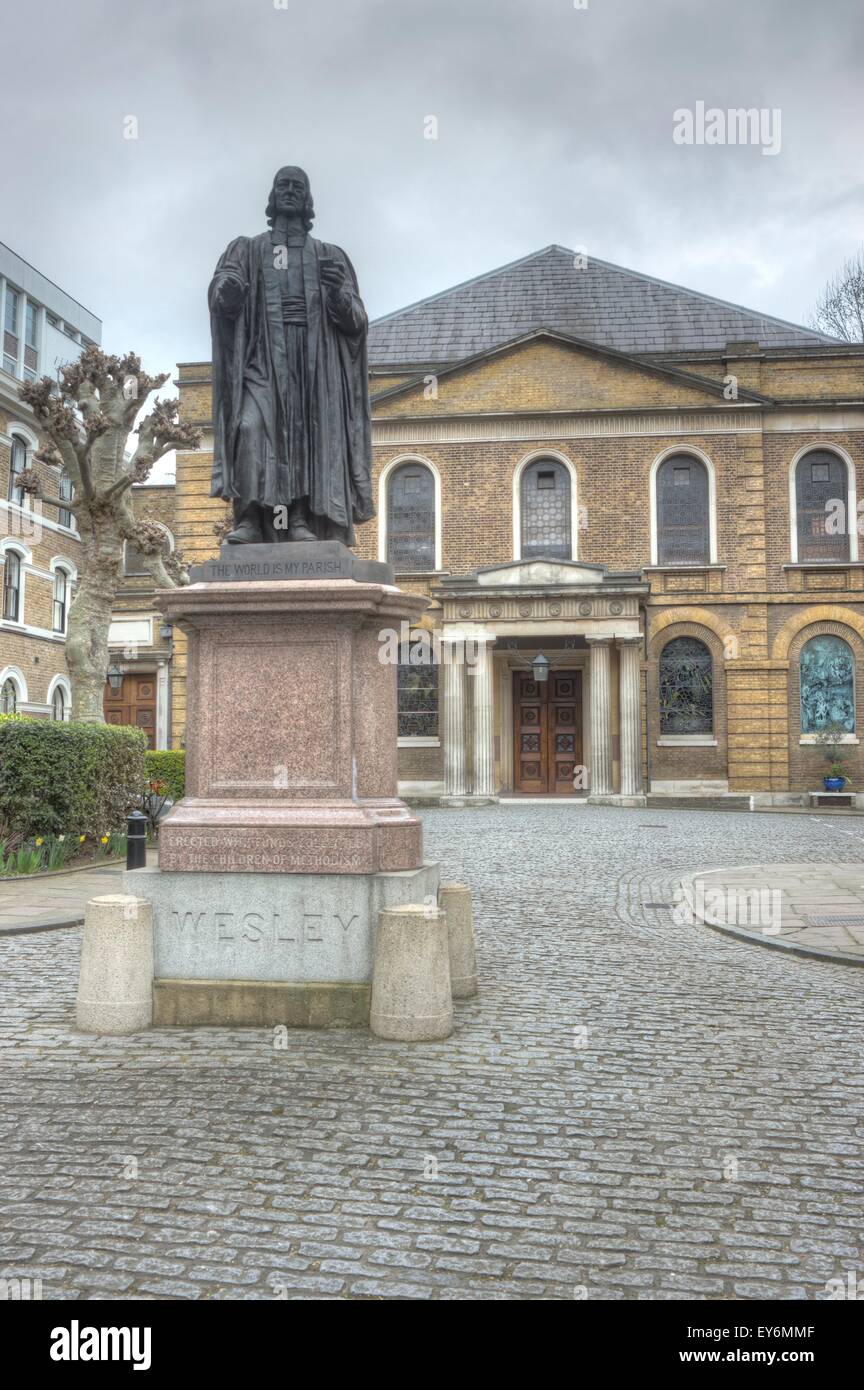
{"x": 292, "y": 437}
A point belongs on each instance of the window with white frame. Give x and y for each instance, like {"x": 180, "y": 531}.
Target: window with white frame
{"x": 58, "y": 704}
{"x": 17, "y": 465}
{"x": 12, "y": 586}
{"x": 411, "y": 518}
{"x": 821, "y": 494}
{"x": 61, "y": 600}
{"x": 9, "y": 697}
{"x": 31, "y": 341}
{"x": 683, "y": 511}
{"x": 11, "y": 331}
{"x": 544, "y": 505}
{"x": 66, "y": 493}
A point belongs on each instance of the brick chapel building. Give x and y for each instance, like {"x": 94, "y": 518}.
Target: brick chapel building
{"x": 654, "y": 491}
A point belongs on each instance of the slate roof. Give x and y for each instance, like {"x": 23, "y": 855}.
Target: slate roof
{"x": 603, "y": 304}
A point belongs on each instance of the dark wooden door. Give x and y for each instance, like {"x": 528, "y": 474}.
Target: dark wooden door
{"x": 547, "y": 725}
{"x": 134, "y": 703}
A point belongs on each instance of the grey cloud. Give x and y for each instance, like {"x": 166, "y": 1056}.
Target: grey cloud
{"x": 554, "y": 125}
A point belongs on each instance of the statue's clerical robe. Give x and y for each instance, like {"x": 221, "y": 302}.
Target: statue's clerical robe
{"x": 291, "y": 398}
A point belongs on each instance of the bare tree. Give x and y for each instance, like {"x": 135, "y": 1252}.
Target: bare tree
{"x": 85, "y": 426}
{"x": 840, "y": 308}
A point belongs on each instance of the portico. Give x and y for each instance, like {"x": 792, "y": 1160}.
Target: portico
{"x": 578, "y": 732}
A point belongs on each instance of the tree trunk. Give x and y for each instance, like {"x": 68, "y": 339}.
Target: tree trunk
{"x": 90, "y": 618}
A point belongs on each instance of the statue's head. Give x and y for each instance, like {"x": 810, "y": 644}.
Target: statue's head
{"x": 291, "y": 196}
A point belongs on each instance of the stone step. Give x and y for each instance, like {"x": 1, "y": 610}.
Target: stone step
{"x": 699, "y": 803}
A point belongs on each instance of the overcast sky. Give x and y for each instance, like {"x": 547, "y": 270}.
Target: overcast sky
{"x": 554, "y": 125}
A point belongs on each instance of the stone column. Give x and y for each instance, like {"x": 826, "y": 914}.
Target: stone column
{"x": 455, "y": 784}
{"x": 484, "y": 746}
{"x": 505, "y": 695}
{"x": 601, "y": 724}
{"x": 629, "y": 653}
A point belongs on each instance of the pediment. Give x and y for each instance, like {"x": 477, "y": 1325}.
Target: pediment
{"x": 546, "y": 371}
{"x": 534, "y": 573}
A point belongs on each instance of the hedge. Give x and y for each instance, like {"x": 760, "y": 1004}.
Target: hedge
{"x": 58, "y": 779}
{"x": 168, "y": 765}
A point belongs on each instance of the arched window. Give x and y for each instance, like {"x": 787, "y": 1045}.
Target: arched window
{"x": 9, "y": 697}
{"x": 827, "y": 684}
{"x": 821, "y": 499}
{"x": 17, "y": 465}
{"x": 58, "y": 704}
{"x": 411, "y": 518}
{"x": 686, "y": 687}
{"x": 683, "y": 511}
{"x": 134, "y": 562}
{"x": 61, "y": 599}
{"x": 12, "y": 586}
{"x": 545, "y": 511}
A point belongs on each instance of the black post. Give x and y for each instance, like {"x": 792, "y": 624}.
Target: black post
{"x": 136, "y": 841}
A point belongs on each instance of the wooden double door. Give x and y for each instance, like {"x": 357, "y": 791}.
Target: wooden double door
{"x": 547, "y": 725}
{"x": 134, "y": 703}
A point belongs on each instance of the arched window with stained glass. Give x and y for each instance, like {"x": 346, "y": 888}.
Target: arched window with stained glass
{"x": 411, "y": 518}
{"x": 827, "y": 684}
{"x": 821, "y": 487}
{"x": 686, "y": 687}
{"x": 683, "y": 512}
{"x": 545, "y": 511}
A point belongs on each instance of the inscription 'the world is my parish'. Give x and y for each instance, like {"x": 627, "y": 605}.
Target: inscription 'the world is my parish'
{"x": 275, "y": 569}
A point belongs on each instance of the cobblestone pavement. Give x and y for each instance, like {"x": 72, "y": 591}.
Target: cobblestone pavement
{"x": 632, "y": 1108}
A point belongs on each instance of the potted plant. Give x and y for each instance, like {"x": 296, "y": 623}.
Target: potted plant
{"x": 830, "y": 739}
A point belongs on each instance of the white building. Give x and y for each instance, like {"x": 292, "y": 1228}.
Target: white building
{"x": 43, "y": 328}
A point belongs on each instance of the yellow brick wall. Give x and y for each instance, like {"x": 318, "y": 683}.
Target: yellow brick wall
{"x": 784, "y": 376}
{"x": 543, "y": 375}
{"x": 743, "y": 611}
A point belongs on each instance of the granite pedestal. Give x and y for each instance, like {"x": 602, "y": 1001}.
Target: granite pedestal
{"x": 291, "y": 836}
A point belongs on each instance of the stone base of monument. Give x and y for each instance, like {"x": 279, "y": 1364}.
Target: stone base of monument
{"x": 207, "y": 835}
{"x": 291, "y": 838}
{"x": 309, "y": 938}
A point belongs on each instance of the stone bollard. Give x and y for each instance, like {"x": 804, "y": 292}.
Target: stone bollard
{"x": 115, "y": 986}
{"x": 411, "y": 978}
{"x": 455, "y": 900}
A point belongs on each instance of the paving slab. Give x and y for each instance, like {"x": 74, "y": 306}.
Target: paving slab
{"x": 815, "y": 908}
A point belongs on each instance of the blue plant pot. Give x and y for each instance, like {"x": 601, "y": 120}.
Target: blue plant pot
{"x": 834, "y": 784}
